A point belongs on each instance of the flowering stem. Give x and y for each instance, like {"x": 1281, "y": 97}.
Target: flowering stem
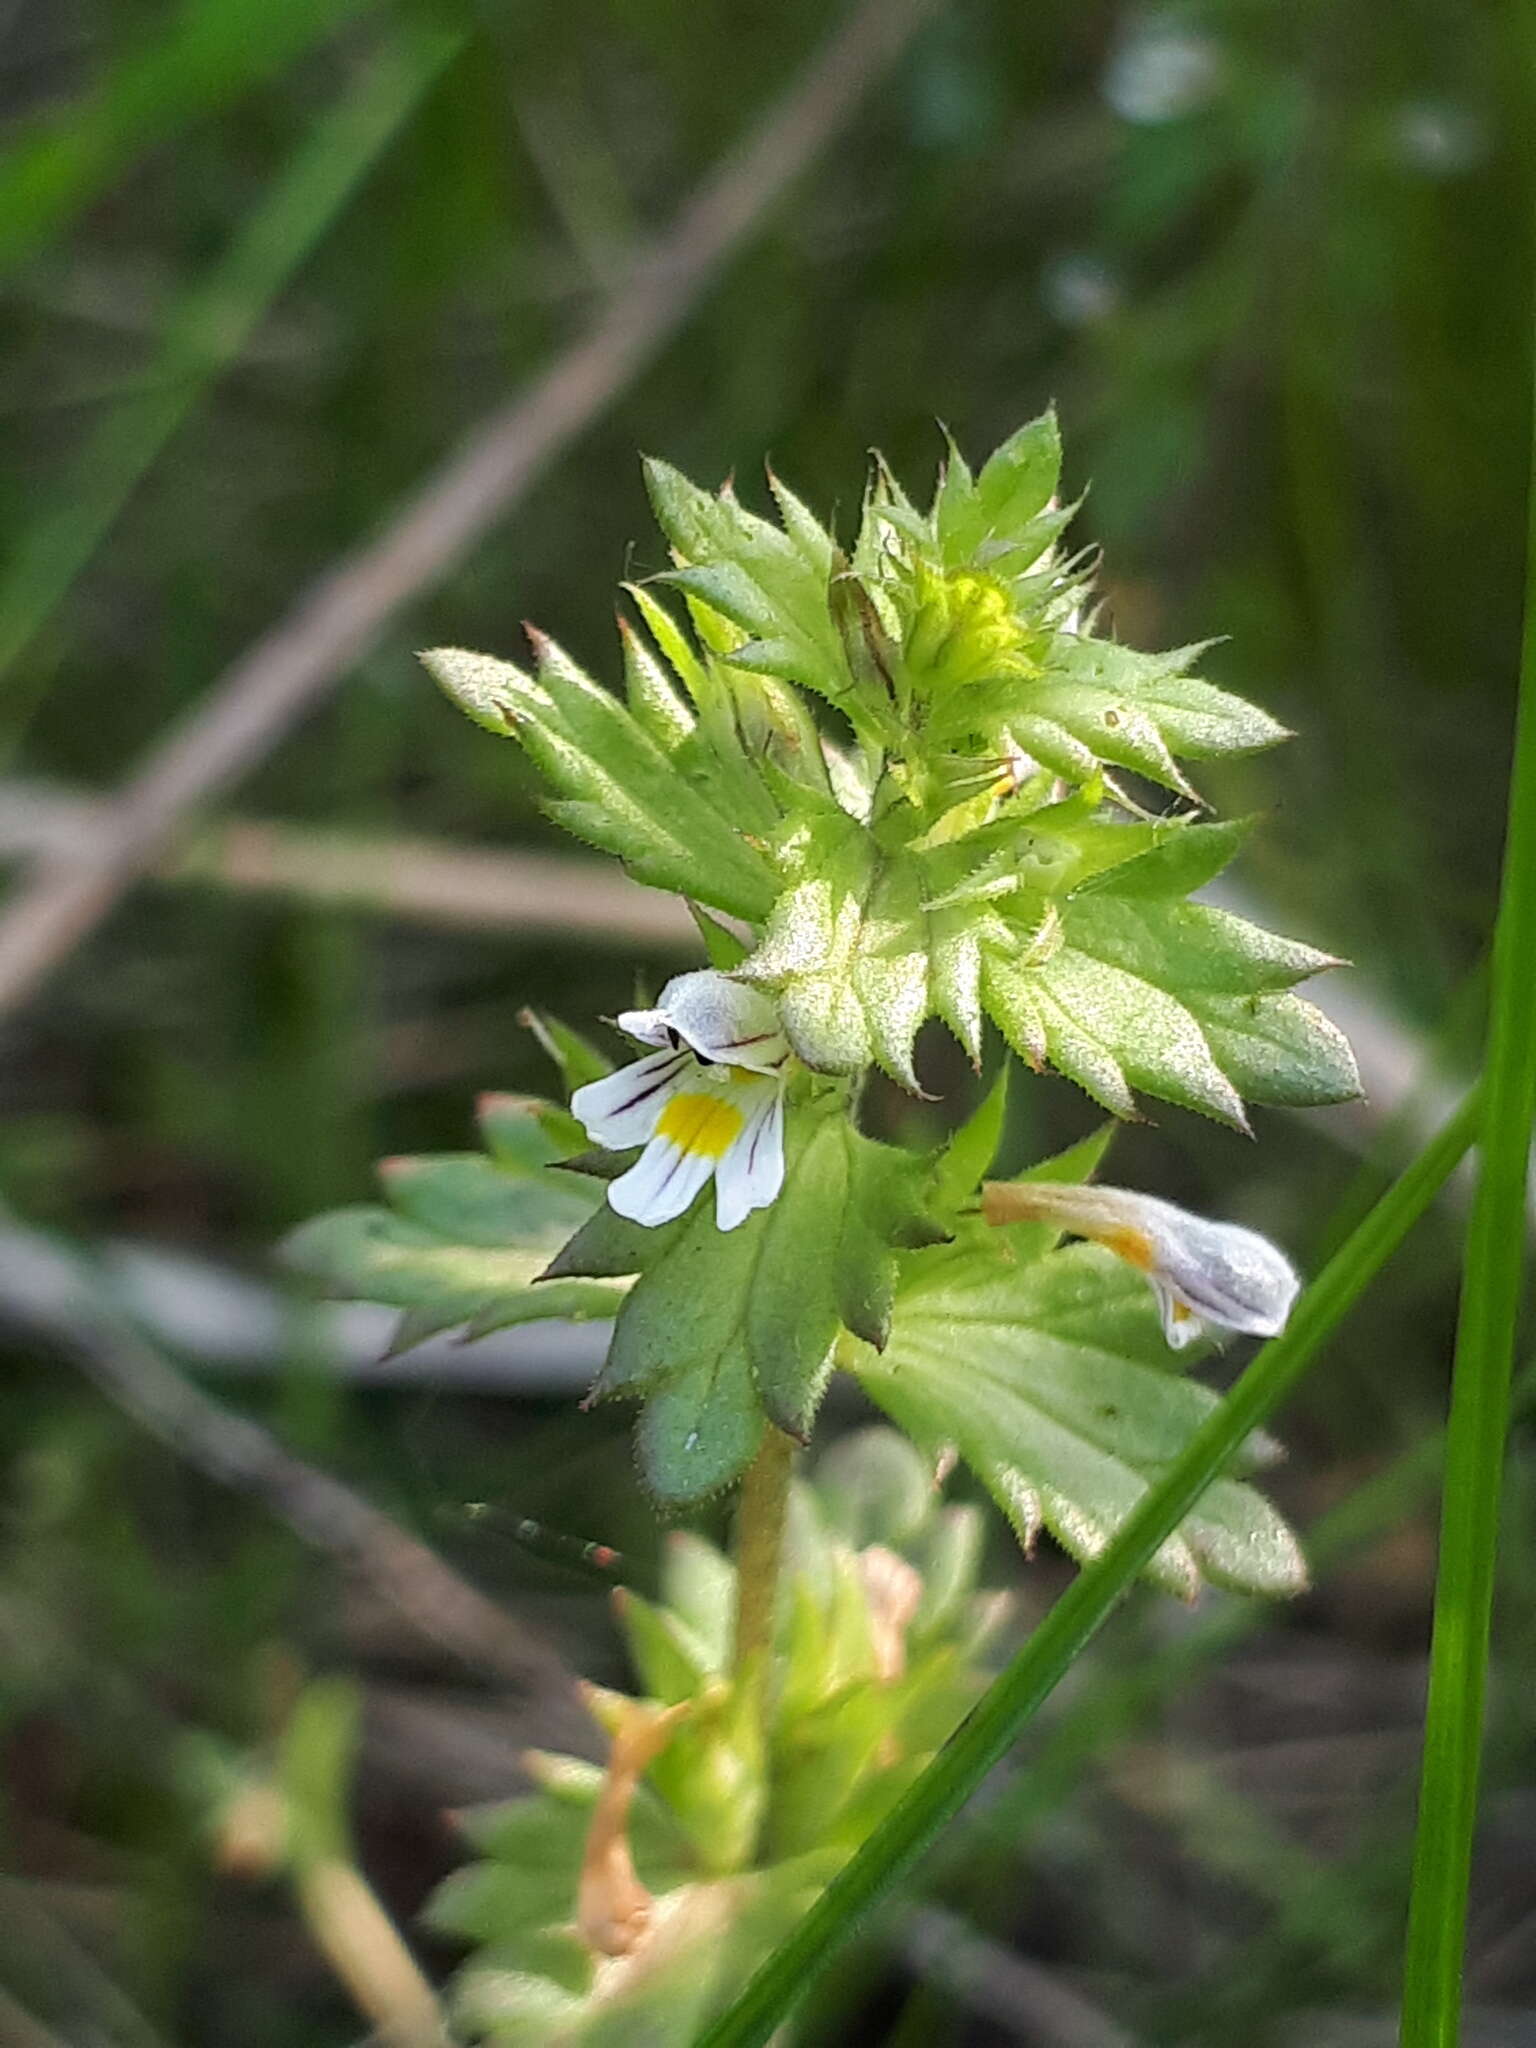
{"x": 1016, "y": 1696}
{"x": 760, "y": 1516}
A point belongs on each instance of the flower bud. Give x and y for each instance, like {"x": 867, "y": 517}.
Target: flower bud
{"x": 1201, "y": 1272}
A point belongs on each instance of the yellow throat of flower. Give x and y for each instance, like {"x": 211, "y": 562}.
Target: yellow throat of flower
{"x": 701, "y": 1125}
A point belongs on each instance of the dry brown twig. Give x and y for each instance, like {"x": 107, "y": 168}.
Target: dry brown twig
{"x": 66, "y": 1305}
{"x": 288, "y": 670}
{"x": 429, "y": 881}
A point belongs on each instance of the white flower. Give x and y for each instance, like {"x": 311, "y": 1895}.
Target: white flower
{"x": 1201, "y": 1272}
{"x": 711, "y": 1101}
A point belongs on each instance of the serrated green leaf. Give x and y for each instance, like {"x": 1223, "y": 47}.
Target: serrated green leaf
{"x": 1050, "y": 742}
{"x": 689, "y": 1308}
{"x": 1020, "y": 476}
{"x": 726, "y": 588}
{"x": 956, "y": 522}
{"x": 890, "y": 970}
{"x": 609, "y": 1246}
{"x": 651, "y": 695}
{"x": 467, "y": 1199}
{"x": 1113, "y": 728}
{"x": 674, "y": 645}
{"x": 846, "y": 951}
{"x": 954, "y": 977}
{"x": 1278, "y": 1049}
{"x": 751, "y": 573}
{"x": 523, "y": 1132}
{"x": 622, "y": 792}
{"x": 746, "y": 1318}
{"x": 964, "y": 1161}
{"x": 1188, "y": 948}
{"x": 1139, "y": 711}
{"x": 577, "y": 1058}
{"x": 483, "y": 688}
{"x": 371, "y": 1254}
{"x": 1108, "y": 1031}
{"x": 807, "y": 951}
{"x": 812, "y": 539}
{"x": 1125, "y": 999}
{"x": 701, "y": 1426}
{"x": 724, "y": 949}
{"x": 1053, "y": 1380}
{"x": 792, "y": 1304}
{"x": 1184, "y": 860}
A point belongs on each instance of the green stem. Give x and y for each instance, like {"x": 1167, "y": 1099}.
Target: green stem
{"x": 1493, "y": 1274}
{"x": 760, "y": 1516}
{"x": 1017, "y": 1695}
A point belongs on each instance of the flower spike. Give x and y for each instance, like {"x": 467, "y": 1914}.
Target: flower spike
{"x": 709, "y": 1100}
{"x": 1201, "y": 1272}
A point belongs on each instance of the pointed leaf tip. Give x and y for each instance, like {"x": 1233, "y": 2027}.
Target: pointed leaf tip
{"x": 483, "y": 687}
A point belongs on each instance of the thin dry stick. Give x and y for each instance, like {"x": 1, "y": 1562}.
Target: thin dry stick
{"x": 433, "y": 881}
{"x": 290, "y": 668}
{"x": 319, "y": 1509}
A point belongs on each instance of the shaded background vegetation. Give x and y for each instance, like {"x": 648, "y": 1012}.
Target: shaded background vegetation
{"x": 1272, "y": 261}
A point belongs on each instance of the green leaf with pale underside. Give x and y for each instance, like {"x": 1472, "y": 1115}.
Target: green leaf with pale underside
{"x": 725, "y": 1330}
{"x": 1181, "y": 1000}
{"x": 618, "y": 788}
{"x": 464, "y": 1240}
{"x": 1052, "y": 1379}
{"x": 369, "y": 1253}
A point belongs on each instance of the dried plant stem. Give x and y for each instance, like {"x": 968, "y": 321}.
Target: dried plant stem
{"x": 363, "y": 1947}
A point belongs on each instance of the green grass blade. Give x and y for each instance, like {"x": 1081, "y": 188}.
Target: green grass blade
{"x": 1018, "y": 1693}
{"x": 218, "y": 51}
{"x": 210, "y": 325}
{"x": 1492, "y": 1280}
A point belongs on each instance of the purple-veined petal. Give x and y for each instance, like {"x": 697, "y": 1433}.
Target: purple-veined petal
{"x": 661, "y": 1184}
{"x": 751, "y": 1173}
{"x": 622, "y": 1108}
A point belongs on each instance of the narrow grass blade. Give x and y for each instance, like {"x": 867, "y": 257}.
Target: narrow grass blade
{"x": 1017, "y": 1694}
{"x": 216, "y": 52}
{"x": 209, "y": 327}
{"x": 1479, "y": 1421}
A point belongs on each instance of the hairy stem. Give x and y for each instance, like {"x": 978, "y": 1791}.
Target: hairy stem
{"x": 759, "y": 1543}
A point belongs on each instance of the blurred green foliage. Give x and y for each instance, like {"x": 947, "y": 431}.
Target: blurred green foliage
{"x": 1272, "y": 262}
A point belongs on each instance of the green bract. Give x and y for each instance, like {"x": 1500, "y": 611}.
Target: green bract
{"x": 899, "y": 768}
{"x": 729, "y": 1330}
